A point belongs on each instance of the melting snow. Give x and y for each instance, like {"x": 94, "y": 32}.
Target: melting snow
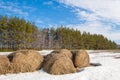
{"x": 110, "y": 70}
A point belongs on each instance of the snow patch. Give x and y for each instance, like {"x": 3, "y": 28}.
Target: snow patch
{"x": 109, "y": 70}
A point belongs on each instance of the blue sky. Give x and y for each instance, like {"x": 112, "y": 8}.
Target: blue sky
{"x": 90, "y": 16}
{"x": 42, "y": 12}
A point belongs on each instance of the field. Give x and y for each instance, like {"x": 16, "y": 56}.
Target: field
{"x": 109, "y": 69}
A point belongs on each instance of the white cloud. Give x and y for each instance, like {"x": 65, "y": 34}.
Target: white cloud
{"x": 97, "y": 28}
{"x": 38, "y": 21}
{"x": 13, "y": 7}
{"x": 101, "y": 16}
{"x": 48, "y": 3}
{"x": 85, "y": 15}
{"x": 105, "y": 8}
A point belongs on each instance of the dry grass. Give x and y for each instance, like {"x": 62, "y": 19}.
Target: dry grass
{"x": 25, "y": 61}
{"x": 63, "y": 65}
{"x": 49, "y": 60}
{"x": 58, "y": 62}
{"x": 81, "y": 59}
{"x": 66, "y": 53}
{"x": 4, "y": 65}
{"x": 53, "y": 65}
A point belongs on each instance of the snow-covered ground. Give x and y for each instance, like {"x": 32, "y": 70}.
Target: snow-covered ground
{"x": 110, "y": 70}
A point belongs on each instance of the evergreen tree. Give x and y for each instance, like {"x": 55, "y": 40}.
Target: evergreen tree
{"x": 16, "y": 33}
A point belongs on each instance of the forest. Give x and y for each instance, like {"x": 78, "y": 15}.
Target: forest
{"x": 17, "y": 33}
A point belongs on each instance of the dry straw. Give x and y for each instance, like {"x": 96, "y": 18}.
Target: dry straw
{"x": 4, "y": 65}
{"x": 81, "y": 59}
{"x": 66, "y": 53}
{"x": 59, "y": 62}
{"x": 63, "y": 65}
{"x": 25, "y": 61}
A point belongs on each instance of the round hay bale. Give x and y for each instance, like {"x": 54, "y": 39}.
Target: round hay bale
{"x": 16, "y": 68}
{"x": 25, "y": 61}
{"x": 66, "y": 53}
{"x": 49, "y": 60}
{"x": 81, "y": 59}
{"x": 4, "y": 65}
{"x": 63, "y": 65}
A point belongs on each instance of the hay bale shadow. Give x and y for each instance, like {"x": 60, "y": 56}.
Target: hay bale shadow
{"x": 80, "y": 69}
{"x": 117, "y": 57}
{"x": 95, "y": 64}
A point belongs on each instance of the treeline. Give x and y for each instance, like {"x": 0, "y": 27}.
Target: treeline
{"x": 16, "y": 33}
{"x": 63, "y": 37}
